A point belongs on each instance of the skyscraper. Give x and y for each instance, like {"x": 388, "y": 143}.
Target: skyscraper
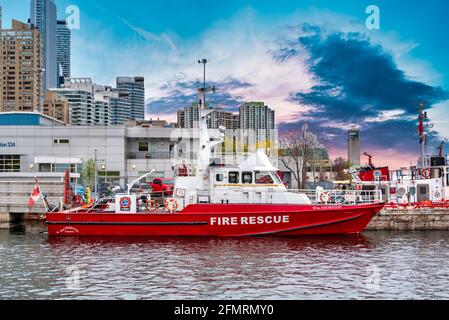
{"x": 43, "y": 16}
{"x": 136, "y": 91}
{"x": 20, "y": 65}
{"x": 257, "y": 122}
{"x": 354, "y": 147}
{"x": 63, "y": 48}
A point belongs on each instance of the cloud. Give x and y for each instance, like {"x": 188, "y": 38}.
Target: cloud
{"x": 180, "y": 94}
{"x": 358, "y": 83}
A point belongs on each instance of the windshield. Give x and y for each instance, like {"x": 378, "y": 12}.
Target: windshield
{"x": 263, "y": 177}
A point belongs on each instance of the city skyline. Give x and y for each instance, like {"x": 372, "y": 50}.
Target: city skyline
{"x": 311, "y": 61}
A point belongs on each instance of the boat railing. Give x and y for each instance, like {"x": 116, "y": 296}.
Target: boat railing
{"x": 341, "y": 196}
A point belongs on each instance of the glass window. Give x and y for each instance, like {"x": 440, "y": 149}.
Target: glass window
{"x": 422, "y": 190}
{"x": 219, "y": 177}
{"x": 143, "y": 146}
{"x": 9, "y": 163}
{"x": 61, "y": 141}
{"x": 263, "y": 177}
{"x": 233, "y": 177}
{"x": 247, "y": 177}
{"x": 109, "y": 173}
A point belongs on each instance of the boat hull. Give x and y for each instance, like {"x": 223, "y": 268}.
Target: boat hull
{"x": 218, "y": 220}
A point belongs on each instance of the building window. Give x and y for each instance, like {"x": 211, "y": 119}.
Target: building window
{"x": 61, "y": 141}
{"x": 109, "y": 173}
{"x": 9, "y": 163}
{"x": 143, "y": 146}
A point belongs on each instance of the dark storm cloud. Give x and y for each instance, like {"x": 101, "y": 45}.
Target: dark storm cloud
{"x": 357, "y": 81}
{"x": 183, "y": 93}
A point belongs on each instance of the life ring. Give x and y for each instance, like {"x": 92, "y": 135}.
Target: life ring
{"x": 152, "y": 205}
{"x": 425, "y": 173}
{"x": 171, "y": 204}
{"x": 324, "y": 196}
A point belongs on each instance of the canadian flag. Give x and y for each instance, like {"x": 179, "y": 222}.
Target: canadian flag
{"x": 35, "y": 194}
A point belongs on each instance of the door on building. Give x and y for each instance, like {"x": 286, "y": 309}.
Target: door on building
{"x": 153, "y": 151}
{"x": 423, "y": 192}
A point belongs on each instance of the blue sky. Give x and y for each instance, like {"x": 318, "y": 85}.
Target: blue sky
{"x": 312, "y": 61}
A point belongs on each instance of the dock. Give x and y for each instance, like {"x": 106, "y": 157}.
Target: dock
{"x": 426, "y": 218}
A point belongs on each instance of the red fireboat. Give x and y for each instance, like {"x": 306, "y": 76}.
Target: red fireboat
{"x": 245, "y": 199}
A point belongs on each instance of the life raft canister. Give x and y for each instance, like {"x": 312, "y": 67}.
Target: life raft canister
{"x": 425, "y": 173}
{"x": 171, "y": 204}
{"x": 183, "y": 171}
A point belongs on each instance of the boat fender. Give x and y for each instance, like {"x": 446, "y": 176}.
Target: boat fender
{"x": 426, "y": 173}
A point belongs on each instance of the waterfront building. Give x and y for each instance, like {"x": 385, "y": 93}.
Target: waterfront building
{"x": 43, "y": 17}
{"x": 20, "y": 68}
{"x": 135, "y": 86}
{"x": 354, "y": 147}
{"x": 56, "y": 107}
{"x": 128, "y": 151}
{"x": 63, "y": 51}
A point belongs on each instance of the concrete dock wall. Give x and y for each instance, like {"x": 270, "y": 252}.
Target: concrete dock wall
{"x": 411, "y": 219}
{"x": 14, "y": 196}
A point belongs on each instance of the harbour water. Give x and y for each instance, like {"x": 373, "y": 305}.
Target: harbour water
{"x": 375, "y": 265}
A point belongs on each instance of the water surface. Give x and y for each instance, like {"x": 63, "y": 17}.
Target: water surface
{"x": 376, "y": 265}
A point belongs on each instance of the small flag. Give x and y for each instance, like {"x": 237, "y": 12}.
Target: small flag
{"x": 35, "y": 194}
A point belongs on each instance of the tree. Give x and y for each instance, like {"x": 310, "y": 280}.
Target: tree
{"x": 297, "y": 150}
{"x": 340, "y": 165}
{"x": 88, "y": 173}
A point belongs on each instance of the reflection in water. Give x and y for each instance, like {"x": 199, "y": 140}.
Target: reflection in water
{"x": 376, "y": 265}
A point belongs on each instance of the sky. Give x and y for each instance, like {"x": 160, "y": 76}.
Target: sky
{"x": 312, "y": 61}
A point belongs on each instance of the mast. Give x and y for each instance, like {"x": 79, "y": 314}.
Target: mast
{"x": 206, "y": 144}
{"x": 422, "y": 133}
{"x": 423, "y": 128}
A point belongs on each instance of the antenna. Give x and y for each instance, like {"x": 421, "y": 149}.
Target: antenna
{"x": 202, "y": 91}
{"x": 204, "y": 62}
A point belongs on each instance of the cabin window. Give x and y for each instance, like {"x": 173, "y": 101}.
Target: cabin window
{"x": 219, "y": 177}
{"x": 263, "y": 177}
{"x": 422, "y": 190}
{"x": 247, "y": 177}
{"x": 233, "y": 177}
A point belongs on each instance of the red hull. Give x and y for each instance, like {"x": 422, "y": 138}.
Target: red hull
{"x": 219, "y": 220}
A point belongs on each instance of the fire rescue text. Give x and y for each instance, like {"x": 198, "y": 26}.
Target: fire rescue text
{"x": 228, "y": 221}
